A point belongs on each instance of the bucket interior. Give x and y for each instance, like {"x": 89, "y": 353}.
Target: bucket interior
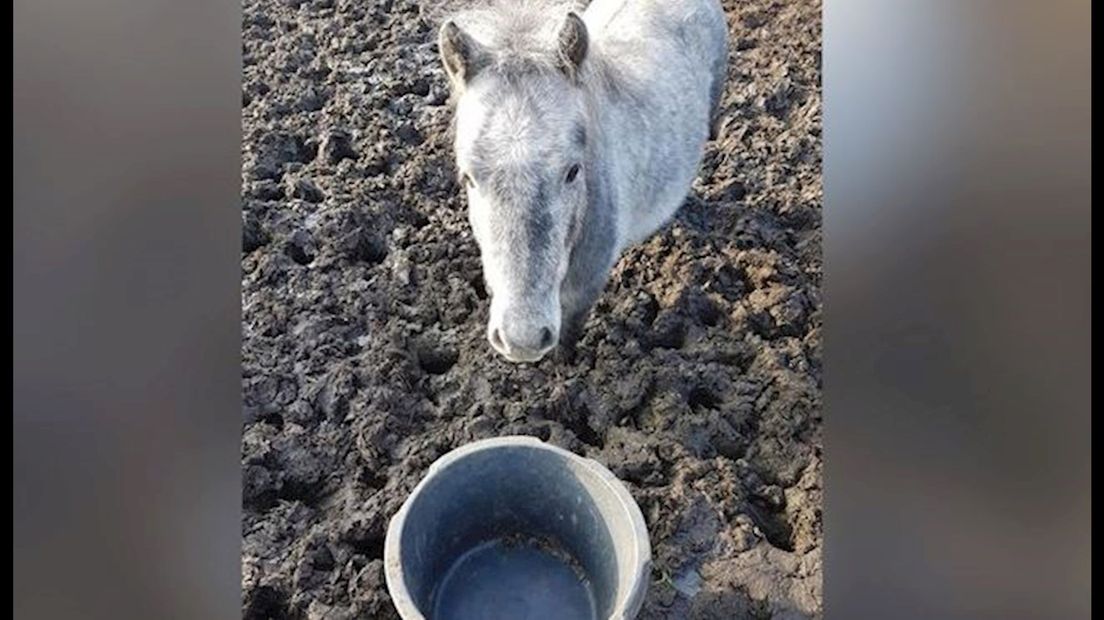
{"x": 512, "y": 579}
{"x": 515, "y": 532}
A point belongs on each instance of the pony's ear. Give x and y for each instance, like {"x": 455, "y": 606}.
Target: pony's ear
{"x": 573, "y": 44}
{"x": 461, "y": 54}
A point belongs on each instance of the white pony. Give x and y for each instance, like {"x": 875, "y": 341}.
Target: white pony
{"x": 577, "y": 135}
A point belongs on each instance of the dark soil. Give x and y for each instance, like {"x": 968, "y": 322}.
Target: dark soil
{"x": 697, "y": 380}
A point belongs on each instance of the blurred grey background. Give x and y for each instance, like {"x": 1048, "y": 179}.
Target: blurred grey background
{"x": 125, "y": 307}
{"x": 957, "y": 296}
{"x": 957, "y": 309}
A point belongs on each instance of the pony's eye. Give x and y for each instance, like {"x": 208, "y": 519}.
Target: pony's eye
{"x": 467, "y": 182}
{"x": 572, "y": 173}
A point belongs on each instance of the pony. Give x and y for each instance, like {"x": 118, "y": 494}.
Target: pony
{"x": 578, "y": 132}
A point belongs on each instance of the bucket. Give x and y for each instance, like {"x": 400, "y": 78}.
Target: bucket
{"x": 514, "y": 528}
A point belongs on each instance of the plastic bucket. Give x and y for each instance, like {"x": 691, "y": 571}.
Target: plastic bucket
{"x": 517, "y": 529}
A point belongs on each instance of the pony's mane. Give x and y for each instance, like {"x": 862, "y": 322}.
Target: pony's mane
{"x": 519, "y": 34}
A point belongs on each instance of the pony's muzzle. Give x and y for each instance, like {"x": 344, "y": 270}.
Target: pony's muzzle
{"x": 521, "y": 340}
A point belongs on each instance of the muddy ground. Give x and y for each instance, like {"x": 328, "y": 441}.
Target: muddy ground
{"x": 364, "y": 356}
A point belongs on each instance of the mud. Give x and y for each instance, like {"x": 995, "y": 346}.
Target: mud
{"x": 697, "y": 380}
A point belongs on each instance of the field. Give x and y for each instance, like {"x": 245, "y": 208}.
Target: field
{"x": 697, "y": 381}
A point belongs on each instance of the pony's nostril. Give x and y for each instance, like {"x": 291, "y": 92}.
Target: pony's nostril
{"x": 546, "y": 338}
{"x": 496, "y": 338}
